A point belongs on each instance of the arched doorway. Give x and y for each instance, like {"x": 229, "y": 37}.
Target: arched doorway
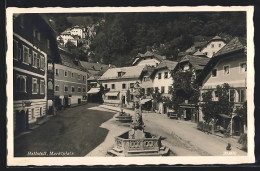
{"x": 21, "y": 121}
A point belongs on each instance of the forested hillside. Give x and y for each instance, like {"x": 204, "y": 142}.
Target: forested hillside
{"x": 123, "y": 35}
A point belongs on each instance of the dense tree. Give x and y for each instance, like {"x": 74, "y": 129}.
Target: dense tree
{"x": 123, "y": 35}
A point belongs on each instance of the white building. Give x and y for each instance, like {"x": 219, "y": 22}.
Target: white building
{"x": 212, "y": 47}
{"x": 119, "y": 81}
{"x": 65, "y": 37}
{"x": 77, "y": 30}
{"x": 162, "y": 79}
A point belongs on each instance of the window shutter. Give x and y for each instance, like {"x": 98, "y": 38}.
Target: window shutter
{"x": 20, "y": 54}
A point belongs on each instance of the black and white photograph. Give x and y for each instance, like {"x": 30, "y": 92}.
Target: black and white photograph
{"x": 130, "y": 85}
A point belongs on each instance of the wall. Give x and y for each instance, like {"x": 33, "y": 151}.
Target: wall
{"x": 209, "y": 49}
{"x": 163, "y": 81}
{"x": 235, "y": 78}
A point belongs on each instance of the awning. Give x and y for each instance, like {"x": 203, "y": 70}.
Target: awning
{"x": 112, "y": 93}
{"x": 143, "y": 101}
{"x": 93, "y": 90}
{"x": 225, "y": 116}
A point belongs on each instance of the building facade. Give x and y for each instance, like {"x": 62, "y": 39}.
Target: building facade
{"x": 229, "y": 66}
{"x": 32, "y": 46}
{"x": 119, "y": 83}
{"x": 163, "y": 81}
{"x": 70, "y": 82}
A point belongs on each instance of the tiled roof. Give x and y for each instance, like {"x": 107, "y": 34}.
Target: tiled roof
{"x": 199, "y": 53}
{"x": 95, "y": 66}
{"x": 68, "y": 61}
{"x": 148, "y": 54}
{"x": 196, "y": 61}
{"x": 130, "y": 72}
{"x": 167, "y": 64}
{"x": 234, "y": 45}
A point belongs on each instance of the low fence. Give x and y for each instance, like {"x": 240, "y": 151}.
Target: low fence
{"x": 203, "y": 126}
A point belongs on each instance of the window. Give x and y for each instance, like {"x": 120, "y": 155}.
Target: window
{"x": 21, "y": 83}
{"x": 34, "y": 58}
{"x": 148, "y": 91}
{"x": 169, "y": 89}
{"x": 79, "y": 76}
{"x": 162, "y": 89}
{"x": 15, "y": 49}
{"x": 57, "y": 72}
{"x": 166, "y": 75}
{"x": 206, "y": 53}
{"x": 40, "y": 111}
{"x": 35, "y": 86}
{"x": 38, "y": 62}
{"x": 79, "y": 89}
{"x": 72, "y": 75}
{"x": 66, "y": 88}
{"x": 105, "y": 86}
{"x": 42, "y": 87}
{"x": 57, "y": 88}
{"x": 146, "y": 79}
{"x": 131, "y": 96}
{"x": 113, "y": 86}
{"x": 123, "y": 86}
{"x": 32, "y": 115}
{"x": 243, "y": 67}
{"x": 83, "y": 78}
{"x": 132, "y": 85}
{"x": 39, "y": 36}
{"x": 219, "y": 45}
{"x": 35, "y": 32}
{"x": 232, "y": 95}
{"x": 42, "y": 63}
{"x": 50, "y": 85}
{"x": 48, "y": 43}
{"x": 65, "y": 73}
{"x": 226, "y": 70}
{"x": 241, "y": 95}
{"x": 72, "y": 89}
{"x": 214, "y": 73}
{"x": 212, "y": 45}
{"x": 25, "y": 55}
{"x": 159, "y": 75}
{"x": 83, "y": 90}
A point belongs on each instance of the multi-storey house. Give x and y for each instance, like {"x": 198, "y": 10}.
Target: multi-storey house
{"x": 70, "y": 81}
{"x": 149, "y": 58}
{"x": 33, "y": 44}
{"x": 228, "y": 65}
{"x": 120, "y": 83}
{"x": 163, "y": 81}
{"x": 66, "y": 37}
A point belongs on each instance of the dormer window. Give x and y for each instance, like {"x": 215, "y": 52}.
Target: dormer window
{"x": 120, "y": 74}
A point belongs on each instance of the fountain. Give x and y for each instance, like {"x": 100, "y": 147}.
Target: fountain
{"x": 122, "y": 116}
{"x": 137, "y": 142}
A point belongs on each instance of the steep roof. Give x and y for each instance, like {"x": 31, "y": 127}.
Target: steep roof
{"x": 165, "y": 64}
{"x": 67, "y": 60}
{"x": 95, "y": 66}
{"x": 130, "y": 72}
{"x": 196, "y": 61}
{"x": 235, "y": 46}
{"x": 139, "y": 56}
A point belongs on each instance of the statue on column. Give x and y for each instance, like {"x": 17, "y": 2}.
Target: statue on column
{"x": 138, "y": 121}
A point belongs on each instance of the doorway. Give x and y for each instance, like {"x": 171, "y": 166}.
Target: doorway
{"x": 21, "y": 121}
